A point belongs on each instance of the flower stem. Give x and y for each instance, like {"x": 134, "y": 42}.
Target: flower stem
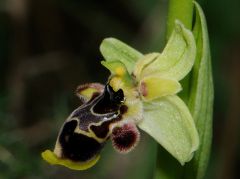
{"x": 181, "y": 10}
{"x": 177, "y": 10}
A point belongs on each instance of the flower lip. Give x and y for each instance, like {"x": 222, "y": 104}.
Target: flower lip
{"x": 52, "y": 158}
{"x": 110, "y": 101}
{"x": 115, "y": 97}
{"x": 77, "y": 147}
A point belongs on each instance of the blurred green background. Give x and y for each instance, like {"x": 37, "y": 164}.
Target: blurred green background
{"x": 48, "y": 47}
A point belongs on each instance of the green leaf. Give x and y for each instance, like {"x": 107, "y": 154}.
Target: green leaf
{"x": 176, "y": 60}
{"x": 201, "y": 97}
{"x": 170, "y": 123}
{"x": 113, "y": 49}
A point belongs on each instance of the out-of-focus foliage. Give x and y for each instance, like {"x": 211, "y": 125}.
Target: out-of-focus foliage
{"x": 48, "y": 47}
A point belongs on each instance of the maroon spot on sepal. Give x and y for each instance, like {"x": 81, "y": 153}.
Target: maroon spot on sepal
{"x": 125, "y": 138}
{"x": 143, "y": 89}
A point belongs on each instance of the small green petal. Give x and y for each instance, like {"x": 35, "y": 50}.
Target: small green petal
{"x": 170, "y": 123}
{"x": 115, "y": 67}
{"x": 153, "y": 87}
{"x": 143, "y": 62}
{"x": 51, "y": 158}
{"x": 119, "y": 70}
{"x": 177, "y": 58}
{"x": 113, "y": 49}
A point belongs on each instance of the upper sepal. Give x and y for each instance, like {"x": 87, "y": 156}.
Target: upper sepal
{"x": 113, "y": 49}
{"x": 176, "y": 60}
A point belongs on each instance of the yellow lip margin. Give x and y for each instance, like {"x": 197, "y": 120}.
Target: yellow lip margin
{"x": 52, "y": 158}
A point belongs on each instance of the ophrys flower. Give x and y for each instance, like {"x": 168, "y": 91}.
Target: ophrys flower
{"x": 141, "y": 91}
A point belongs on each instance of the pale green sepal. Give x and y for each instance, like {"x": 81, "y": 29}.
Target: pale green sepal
{"x": 51, "y": 158}
{"x": 153, "y": 87}
{"x": 201, "y": 97}
{"x": 113, "y": 49}
{"x": 170, "y": 123}
{"x": 177, "y": 58}
{"x": 143, "y": 62}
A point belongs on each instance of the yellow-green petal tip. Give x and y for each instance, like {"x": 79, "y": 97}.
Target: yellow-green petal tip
{"x": 52, "y": 158}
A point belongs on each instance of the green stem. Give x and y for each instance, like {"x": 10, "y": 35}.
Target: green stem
{"x": 181, "y": 10}
{"x": 177, "y": 10}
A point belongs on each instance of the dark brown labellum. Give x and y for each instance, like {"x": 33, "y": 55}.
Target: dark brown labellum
{"x": 77, "y": 142}
{"x": 77, "y": 147}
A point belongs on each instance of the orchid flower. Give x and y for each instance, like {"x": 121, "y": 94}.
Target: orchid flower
{"x": 141, "y": 92}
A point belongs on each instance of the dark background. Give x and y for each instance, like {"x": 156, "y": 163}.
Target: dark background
{"x": 48, "y": 47}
